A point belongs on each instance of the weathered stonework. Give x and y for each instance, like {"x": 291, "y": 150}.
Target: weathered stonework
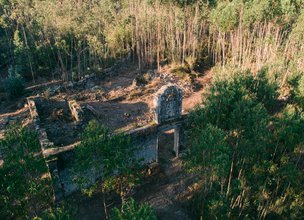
{"x": 167, "y": 110}
{"x": 167, "y": 103}
{"x": 76, "y": 110}
{"x": 33, "y": 109}
{"x": 42, "y": 136}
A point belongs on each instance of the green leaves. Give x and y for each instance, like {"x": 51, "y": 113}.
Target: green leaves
{"x": 208, "y": 150}
{"x": 110, "y": 156}
{"x": 14, "y": 85}
{"x": 25, "y": 186}
{"x": 226, "y": 15}
{"x": 248, "y": 157}
{"x": 130, "y": 210}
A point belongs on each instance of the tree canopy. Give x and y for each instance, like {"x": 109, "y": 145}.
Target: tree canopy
{"x": 249, "y": 151}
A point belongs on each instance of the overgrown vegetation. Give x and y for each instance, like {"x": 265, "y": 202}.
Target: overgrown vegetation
{"x": 25, "y": 186}
{"x": 131, "y": 210}
{"x": 246, "y": 141}
{"x": 14, "y": 86}
{"x": 72, "y": 38}
{"x": 111, "y": 157}
{"x": 251, "y": 160}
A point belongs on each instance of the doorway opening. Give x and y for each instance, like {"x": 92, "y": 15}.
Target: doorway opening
{"x": 166, "y": 147}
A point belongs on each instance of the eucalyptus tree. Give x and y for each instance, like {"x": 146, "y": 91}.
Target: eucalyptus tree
{"x": 250, "y": 160}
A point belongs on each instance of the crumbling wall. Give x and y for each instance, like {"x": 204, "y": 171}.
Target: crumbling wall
{"x": 42, "y": 135}
{"x": 167, "y": 110}
{"x": 76, "y": 110}
{"x": 145, "y": 140}
{"x": 44, "y": 142}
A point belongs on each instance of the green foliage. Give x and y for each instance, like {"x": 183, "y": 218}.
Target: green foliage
{"x": 229, "y": 96}
{"x": 249, "y": 159}
{"x": 296, "y": 87}
{"x": 130, "y": 210}
{"x": 108, "y": 156}
{"x": 42, "y": 38}
{"x": 297, "y": 33}
{"x": 210, "y": 141}
{"x": 14, "y": 85}
{"x": 226, "y": 15}
{"x": 300, "y": 91}
{"x": 25, "y": 186}
{"x": 56, "y": 213}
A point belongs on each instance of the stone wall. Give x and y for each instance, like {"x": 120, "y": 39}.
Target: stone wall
{"x": 76, "y": 110}
{"x": 45, "y": 143}
{"x": 168, "y": 108}
{"x": 145, "y": 140}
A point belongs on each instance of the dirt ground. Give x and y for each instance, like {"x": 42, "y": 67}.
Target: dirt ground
{"x": 113, "y": 101}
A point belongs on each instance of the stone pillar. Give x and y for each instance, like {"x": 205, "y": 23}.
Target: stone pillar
{"x": 157, "y": 141}
{"x": 176, "y": 141}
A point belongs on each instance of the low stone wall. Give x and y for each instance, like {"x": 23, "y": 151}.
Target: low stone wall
{"x": 42, "y": 135}
{"x": 145, "y": 139}
{"x": 45, "y": 143}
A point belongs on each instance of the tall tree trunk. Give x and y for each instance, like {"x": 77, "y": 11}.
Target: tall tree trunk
{"x": 28, "y": 53}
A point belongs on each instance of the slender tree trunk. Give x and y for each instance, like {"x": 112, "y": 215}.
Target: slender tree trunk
{"x": 28, "y": 53}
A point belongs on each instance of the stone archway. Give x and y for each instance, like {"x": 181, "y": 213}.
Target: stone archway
{"x": 167, "y": 111}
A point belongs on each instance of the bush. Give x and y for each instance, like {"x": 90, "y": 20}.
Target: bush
{"x": 300, "y": 92}
{"x": 14, "y": 86}
{"x": 131, "y": 210}
{"x": 226, "y": 15}
{"x": 229, "y": 97}
{"x": 56, "y": 213}
{"x": 296, "y": 87}
{"x": 109, "y": 156}
{"x": 25, "y": 186}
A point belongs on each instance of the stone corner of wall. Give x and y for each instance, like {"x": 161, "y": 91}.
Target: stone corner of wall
{"x": 76, "y": 110}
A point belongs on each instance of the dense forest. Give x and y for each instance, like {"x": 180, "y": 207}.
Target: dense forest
{"x": 245, "y": 139}
{"x": 71, "y": 38}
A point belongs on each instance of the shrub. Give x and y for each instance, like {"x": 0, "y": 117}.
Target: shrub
{"x": 131, "y": 210}
{"x": 108, "y": 156}
{"x": 226, "y": 15}
{"x": 296, "y": 87}
{"x": 300, "y": 92}
{"x": 229, "y": 97}
{"x": 25, "y": 186}
{"x": 56, "y": 213}
{"x": 14, "y": 86}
